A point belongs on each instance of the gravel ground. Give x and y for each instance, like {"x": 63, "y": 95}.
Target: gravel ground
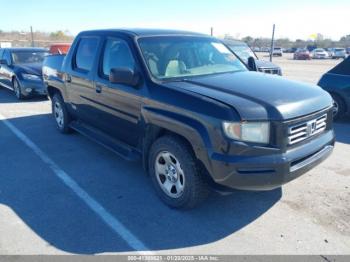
{"x": 302, "y": 70}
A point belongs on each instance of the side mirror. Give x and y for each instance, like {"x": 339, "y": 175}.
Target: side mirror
{"x": 124, "y": 75}
{"x": 3, "y": 62}
{"x": 252, "y": 64}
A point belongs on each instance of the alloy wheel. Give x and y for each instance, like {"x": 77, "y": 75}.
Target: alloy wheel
{"x": 170, "y": 175}
{"x": 335, "y": 108}
{"x": 16, "y": 89}
{"x": 58, "y": 113}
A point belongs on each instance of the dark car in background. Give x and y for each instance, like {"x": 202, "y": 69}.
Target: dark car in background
{"x": 243, "y": 51}
{"x": 337, "y": 83}
{"x": 291, "y": 50}
{"x": 302, "y": 54}
{"x": 20, "y": 71}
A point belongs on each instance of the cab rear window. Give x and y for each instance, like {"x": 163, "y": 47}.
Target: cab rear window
{"x": 84, "y": 56}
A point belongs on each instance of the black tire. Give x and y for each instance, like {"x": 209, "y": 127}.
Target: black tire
{"x": 63, "y": 124}
{"x": 17, "y": 89}
{"x": 195, "y": 188}
{"x": 340, "y": 107}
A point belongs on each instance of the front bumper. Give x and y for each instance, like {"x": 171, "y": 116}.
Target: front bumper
{"x": 339, "y": 56}
{"x": 32, "y": 88}
{"x": 303, "y": 57}
{"x": 266, "y": 172}
{"x": 270, "y": 70}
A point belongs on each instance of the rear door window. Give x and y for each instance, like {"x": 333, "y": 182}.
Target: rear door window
{"x": 85, "y": 54}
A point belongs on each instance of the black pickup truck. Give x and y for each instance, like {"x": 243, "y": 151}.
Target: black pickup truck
{"x": 191, "y": 110}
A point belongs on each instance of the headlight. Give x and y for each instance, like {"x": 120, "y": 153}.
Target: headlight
{"x": 31, "y": 77}
{"x": 257, "y": 132}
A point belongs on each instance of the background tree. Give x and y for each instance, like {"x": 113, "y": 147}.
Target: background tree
{"x": 248, "y": 39}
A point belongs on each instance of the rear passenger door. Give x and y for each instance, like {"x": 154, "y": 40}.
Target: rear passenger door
{"x": 80, "y": 79}
{"x": 120, "y": 104}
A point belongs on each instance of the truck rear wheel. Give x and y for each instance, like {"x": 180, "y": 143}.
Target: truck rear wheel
{"x": 175, "y": 173}
{"x": 60, "y": 114}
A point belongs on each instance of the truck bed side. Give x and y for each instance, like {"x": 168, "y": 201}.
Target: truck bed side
{"x": 52, "y": 72}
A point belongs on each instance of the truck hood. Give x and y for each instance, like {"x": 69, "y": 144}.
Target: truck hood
{"x": 257, "y": 96}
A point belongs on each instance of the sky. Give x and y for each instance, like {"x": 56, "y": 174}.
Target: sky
{"x": 296, "y": 19}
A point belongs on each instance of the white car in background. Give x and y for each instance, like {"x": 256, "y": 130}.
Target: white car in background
{"x": 339, "y": 53}
{"x": 277, "y": 51}
{"x": 319, "y": 53}
{"x": 330, "y": 51}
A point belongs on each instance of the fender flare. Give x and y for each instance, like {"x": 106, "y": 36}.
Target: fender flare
{"x": 185, "y": 126}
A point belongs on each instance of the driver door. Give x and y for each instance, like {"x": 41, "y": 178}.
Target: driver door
{"x": 119, "y": 105}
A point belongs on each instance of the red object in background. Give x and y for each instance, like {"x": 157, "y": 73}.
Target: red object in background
{"x": 302, "y": 54}
{"x": 59, "y": 48}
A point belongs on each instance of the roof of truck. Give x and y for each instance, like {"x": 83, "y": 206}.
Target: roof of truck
{"x": 144, "y": 32}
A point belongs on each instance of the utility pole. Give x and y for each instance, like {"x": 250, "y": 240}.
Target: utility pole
{"x": 211, "y": 31}
{"x": 32, "y": 35}
{"x": 272, "y": 42}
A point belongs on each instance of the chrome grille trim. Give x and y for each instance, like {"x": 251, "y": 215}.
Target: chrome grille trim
{"x": 269, "y": 71}
{"x": 302, "y": 131}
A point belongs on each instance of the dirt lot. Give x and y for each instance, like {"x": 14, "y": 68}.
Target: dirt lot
{"x": 302, "y": 70}
{"x": 41, "y": 213}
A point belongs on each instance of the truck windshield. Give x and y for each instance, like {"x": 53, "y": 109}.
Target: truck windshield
{"x": 169, "y": 57}
{"x": 25, "y": 57}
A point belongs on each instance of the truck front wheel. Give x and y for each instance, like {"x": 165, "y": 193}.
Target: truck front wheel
{"x": 338, "y": 107}
{"x": 175, "y": 173}
{"x": 60, "y": 114}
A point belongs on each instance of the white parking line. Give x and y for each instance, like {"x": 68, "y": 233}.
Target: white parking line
{"x": 107, "y": 217}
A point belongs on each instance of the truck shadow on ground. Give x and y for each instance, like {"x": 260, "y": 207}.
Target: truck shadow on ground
{"x": 342, "y": 130}
{"x": 55, "y": 214}
{"x": 8, "y": 96}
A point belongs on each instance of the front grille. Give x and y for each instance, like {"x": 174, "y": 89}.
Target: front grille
{"x": 270, "y": 71}
{"x": 302, "y": 131}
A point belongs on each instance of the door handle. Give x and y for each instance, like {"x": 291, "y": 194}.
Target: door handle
{"x": 98, "y": 89}
{"x": 68, "y": 79}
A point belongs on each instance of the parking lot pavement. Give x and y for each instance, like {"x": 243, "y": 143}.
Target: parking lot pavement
{"x": 302, "y": 70}
{"x": 40, "y": 214}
